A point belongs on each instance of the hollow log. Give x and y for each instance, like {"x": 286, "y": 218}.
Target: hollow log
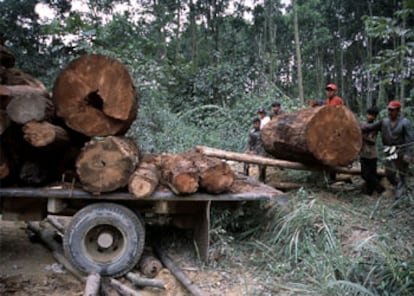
{"x": 45, "y": 134}
{"x": 328, "y": 135}
{"x": 29, "y": 103}
{"x": 179, "y": 174}
{"x": 215, "y": 175}
{"x": 96, "y": 96}
{"x": 144, "y": 180}
{"x": 106, "y": 165}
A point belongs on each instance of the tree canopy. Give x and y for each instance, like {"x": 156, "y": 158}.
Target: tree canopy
{"x": 203, "y": 67}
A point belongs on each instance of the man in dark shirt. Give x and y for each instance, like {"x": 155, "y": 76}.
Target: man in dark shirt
{"x": 255, "y": 146}
{"x": 395, "y": 131}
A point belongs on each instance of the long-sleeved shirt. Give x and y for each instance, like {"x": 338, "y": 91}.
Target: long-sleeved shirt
{"x": 401, "y": 133}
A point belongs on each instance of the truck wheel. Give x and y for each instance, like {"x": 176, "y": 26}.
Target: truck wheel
{"x": 106, "y": 238}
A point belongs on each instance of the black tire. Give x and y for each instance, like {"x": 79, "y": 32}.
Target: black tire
{"x": 106, "y": 238}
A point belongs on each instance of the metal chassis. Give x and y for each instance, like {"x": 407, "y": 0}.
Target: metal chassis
{"x": 190, "y": 212}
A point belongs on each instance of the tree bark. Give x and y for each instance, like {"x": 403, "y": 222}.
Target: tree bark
{"x": 45, "y": 134}
{"x": 106, "y": 165}
{"x": 328, "y": 135}
{"x": 13, "y": 76}
{"x": 95, "y": 95}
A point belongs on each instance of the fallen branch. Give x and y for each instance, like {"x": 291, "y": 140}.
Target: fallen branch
{"x": 92, "y": 284}
{"x": 47, "y": 237}
{"x": 144, "y": 282}
{"x": 123, "y": 289}
{"x": 178, "y": 273}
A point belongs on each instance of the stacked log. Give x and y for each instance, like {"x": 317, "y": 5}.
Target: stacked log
{"x": 43, "y": 135}
{"x": 77, "y": 134}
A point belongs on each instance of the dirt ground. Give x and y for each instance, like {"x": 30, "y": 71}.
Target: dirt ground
{"x": 28, "y": 268}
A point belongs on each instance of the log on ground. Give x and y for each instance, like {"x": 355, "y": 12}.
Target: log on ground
{"x": 328, "y": 135}
{"x": 106, "y": 165}
{"x": 96, "y": 96}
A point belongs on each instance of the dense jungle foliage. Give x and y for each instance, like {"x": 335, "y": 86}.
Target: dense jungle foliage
{"x": 203, "y": 67}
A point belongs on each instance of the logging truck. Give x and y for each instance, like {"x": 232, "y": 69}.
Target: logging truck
{"x": 107, "y": 231}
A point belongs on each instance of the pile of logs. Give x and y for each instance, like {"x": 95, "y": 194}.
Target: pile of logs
{"x": 77, "y": 134}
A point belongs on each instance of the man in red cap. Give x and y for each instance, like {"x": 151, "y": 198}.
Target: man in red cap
{"x": 331, "y": 97}
{"x": 397, "y": 135}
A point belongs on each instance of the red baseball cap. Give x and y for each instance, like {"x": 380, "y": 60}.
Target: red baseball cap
{"x": 394, "y": 105}
{"x": 331, "y": 86}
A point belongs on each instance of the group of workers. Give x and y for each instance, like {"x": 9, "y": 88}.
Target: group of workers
{"x": 397, "y": 135}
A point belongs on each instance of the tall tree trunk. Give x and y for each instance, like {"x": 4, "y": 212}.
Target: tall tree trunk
{"x": 298, "y": 54}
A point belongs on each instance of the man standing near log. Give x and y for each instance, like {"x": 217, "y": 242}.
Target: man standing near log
{"x": 397, "y": 135}
{"x": 255, "y": 146}
{"x": 368, "y": 155}
{"x": 331, "y": 97}
{"x": 261, "y": 114}
{"x": 276, "y": 110}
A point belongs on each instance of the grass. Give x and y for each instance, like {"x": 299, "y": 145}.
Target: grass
{"x": 325, "y": 243}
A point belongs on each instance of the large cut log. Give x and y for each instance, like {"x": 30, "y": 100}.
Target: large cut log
{"x": 215, "y": 175}
{"x": 106, "y": 165}
{"x": 45, "y": 134}
{"x": 29, "y": 103}
{"x": 328, "y": 135}
{"x": 179, "y": 174}
{"x": 95, "y": 95}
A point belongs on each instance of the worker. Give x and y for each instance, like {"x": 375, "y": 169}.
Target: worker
{"x": 331, "y": 97}
{"x": 368, "y": 156}
{"x": 397, "y": 135}
{"x": 276, "y": 110}
{"x": 255, "y": 146}
{"x": 261, "y": 114}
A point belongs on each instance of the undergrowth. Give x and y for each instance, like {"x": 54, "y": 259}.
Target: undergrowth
{"x": 313, "y": 246}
